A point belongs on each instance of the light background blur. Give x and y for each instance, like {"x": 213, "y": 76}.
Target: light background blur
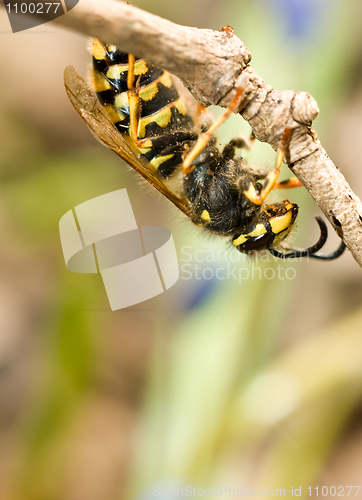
{"x": 254, "y": 383}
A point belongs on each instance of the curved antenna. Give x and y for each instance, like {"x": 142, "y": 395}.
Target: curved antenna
{"x": 332, "y": 255}
{"x": 312, "y": 251}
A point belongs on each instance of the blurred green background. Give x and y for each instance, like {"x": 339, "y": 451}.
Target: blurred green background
{"x": 249, "y": 382}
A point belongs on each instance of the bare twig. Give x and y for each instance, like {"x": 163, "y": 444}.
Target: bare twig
{"x": 212, "y": 65}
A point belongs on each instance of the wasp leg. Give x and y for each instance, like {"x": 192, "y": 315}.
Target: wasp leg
{"x": 134, "y": 117}
{"x": 272, "y": 176}
{"x": 205, "y": 137}
{"x": 240, "y": 142}
{"x": 289, "y": 183}
{"x": 133, "y": 101}
{"x": 134, "y": 106}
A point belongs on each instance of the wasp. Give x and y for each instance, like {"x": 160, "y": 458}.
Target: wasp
{"x": 141, "y": 115}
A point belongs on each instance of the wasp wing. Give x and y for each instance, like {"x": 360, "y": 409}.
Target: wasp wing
{"x": 89, "y": 108}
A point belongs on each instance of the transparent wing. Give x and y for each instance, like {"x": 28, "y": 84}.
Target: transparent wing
{"x": 89, "y": 108}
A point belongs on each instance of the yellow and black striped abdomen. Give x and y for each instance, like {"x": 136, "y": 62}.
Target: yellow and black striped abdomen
{"x": 163, "y": 115}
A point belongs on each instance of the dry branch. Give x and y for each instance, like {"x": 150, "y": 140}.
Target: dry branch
{"x": 212, "y": 65}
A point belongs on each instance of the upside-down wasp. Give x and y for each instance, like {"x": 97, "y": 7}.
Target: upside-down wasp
{"x": 145, "y": 119}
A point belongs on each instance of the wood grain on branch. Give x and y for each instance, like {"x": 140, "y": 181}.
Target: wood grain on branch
{"x": 212, "y": 65}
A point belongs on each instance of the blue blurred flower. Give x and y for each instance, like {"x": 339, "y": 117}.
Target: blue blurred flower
{"x": 303, "y": 19}
{"x": 200, "y": 292}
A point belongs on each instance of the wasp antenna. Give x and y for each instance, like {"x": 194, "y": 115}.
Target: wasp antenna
{"x": 310, "y": 251}
{"x": 332, "y": 255}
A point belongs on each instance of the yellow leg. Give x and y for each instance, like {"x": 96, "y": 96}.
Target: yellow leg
{"x": 289, "y": 183}
{"x": 130, "y": 74}
{"x": 205, "y": 138}
{"x": 134, "y": 106}
{"x": 133, "y": 101}
{"x": 271, "y": 178}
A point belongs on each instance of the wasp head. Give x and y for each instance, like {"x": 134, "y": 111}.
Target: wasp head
{"x": 267, "y": 228}
{"x": 270, "y": 228}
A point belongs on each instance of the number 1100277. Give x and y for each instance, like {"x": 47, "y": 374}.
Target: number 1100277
{"x": 32, "y": 8}
{"x": 334, "y": 491}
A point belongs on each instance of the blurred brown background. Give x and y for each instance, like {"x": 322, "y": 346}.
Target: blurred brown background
{"x": 249, "y": 383}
